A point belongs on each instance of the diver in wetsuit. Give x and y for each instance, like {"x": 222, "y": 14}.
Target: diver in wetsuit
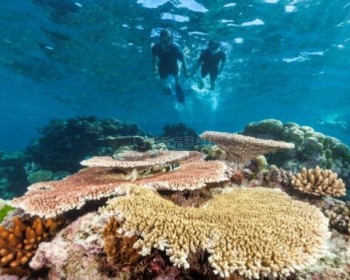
{"x": 212, "y": 61}
{"x": 165, "y": 58}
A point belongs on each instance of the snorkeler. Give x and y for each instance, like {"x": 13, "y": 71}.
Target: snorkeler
{"x": 212, "y": 61}
{"x": 165, "y": 58}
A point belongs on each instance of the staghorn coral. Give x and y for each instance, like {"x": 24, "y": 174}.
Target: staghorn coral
{"x": 130, "y": 159}
{"x": 19, "y": 243}
{"x": 319, "y": 182}
{"x": 240, "y": 149}
{"x": 256, "y": 232}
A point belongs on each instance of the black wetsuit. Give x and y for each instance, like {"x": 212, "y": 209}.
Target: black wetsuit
{"x": 210, "y": 63}
{"x": 167, "y": 60}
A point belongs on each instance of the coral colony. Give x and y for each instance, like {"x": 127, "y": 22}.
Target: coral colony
{"x": 177, "y": 214}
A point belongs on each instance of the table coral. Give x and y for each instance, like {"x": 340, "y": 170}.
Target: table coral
{"x": 256, "y": 232}
{"x": 189, "y": 176}
{"x": 131, "y": 159}
{"x": 240, "y": 148}
{"x": 52, "y": 198}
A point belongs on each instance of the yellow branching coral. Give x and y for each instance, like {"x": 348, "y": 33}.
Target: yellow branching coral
{"x": 256, "y": 232}
{"x": 240, "y": 148}
{"x": 319, "y": 182}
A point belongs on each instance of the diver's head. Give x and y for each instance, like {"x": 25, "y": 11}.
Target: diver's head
{"x": 165, "y": 38}
{"x": 213, "y": 45}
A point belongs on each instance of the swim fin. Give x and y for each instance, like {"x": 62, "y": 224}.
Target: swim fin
{"x": 180, "y": 94}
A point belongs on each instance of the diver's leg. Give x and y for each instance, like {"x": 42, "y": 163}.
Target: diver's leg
{"x": 175, "y": 79}
{"x": 204, "y": 73}
{"x": 213, "y": 76}
{"x": 164, "y": 83}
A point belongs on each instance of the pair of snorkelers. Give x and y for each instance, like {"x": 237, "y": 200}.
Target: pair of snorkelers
{"x": 166, "y": 55}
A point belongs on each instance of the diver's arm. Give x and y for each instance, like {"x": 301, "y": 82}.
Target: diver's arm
{"x": 184, "y": 66}
{"x": 222, "y": 63}
{"x": 154, "y": 64}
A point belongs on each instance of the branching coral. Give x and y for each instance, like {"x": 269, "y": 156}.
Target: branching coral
{"x": 19, "y": 243}
{"x": 240, "y": 148}
{"x": 256, "y": 232}
{"x": 319, "y": 182}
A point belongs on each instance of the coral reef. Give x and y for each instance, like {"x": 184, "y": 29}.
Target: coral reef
{"x": 319, "y": 182}
{"x": 4, "y": 188}
{"x": 213, "y": 152}
{"x": 338, "y": 213}
{"x": 39, "y": 176}
{"x": 73, "y": 253}
{"x": 49, "y": 199}
{"x": 19, "y": 243}
{"x": 130, "y": 159}
{"x": 311, "y": 147}
{"x": 189, "y": 176}
{"x": 64, "y": 143}
{"x": 335, "y": 265}
{"x": 179, "y": 137}
{"x": 277, "y": 177}
{"x": 119, "y": 248}
{"x": 240, "y": 149}
{"x": 179, "y": 215}
{"x": 136, "y": 142}
{"x": 256, "y": 232}
{"x": 52, "y": 198}
{"x": 259, "y": 163}
{"x": 12, "y": 174}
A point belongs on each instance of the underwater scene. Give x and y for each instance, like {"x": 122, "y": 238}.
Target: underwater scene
{"x": 175, "y": 140}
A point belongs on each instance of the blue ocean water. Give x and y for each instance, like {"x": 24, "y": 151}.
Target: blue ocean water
{"x": 286, "y": 59}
